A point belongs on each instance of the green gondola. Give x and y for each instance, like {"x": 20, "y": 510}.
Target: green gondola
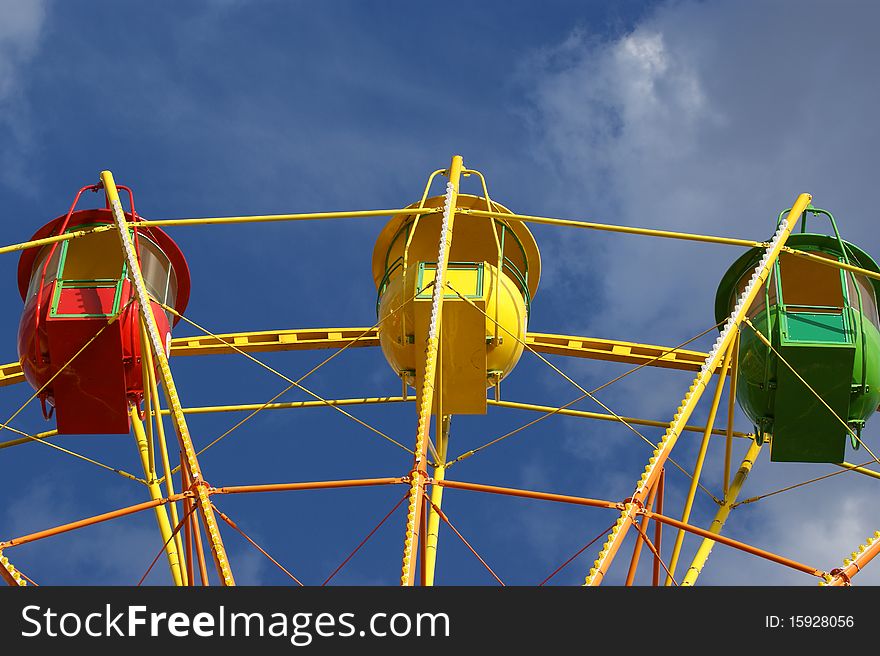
{"x": 820, "y": 380}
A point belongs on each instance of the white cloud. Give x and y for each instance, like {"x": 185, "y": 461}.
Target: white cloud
{"x": 21, "y": 30}
{"x": 706, "y": 119}
{"x": 116, "y": 552}
{"x": 666, "y": 128}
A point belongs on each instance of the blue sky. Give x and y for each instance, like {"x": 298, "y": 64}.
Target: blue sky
{"x": 700, "y": 116}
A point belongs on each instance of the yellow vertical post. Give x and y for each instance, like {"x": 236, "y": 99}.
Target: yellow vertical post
{"x": 156, "y": 493}
{"x": 731, "y": 410}
{"x": 425, "y": 398}
{"x": 176, "y": 410}
{"x": 736, "y": 485}
{"x": 151, "y": 403}
{"x": 695, "y": 392}
{"x": 436, "y": 502}
{"x": 698, "y": 467}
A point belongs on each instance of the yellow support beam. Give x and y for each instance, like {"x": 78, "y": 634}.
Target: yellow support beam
{"x": 834, "y": 264}
{"x": 171, "y": 547}
{"x": 11, "y": 374}
{"x": 274, "y": 218}
{"x": 373, "y": 400}
{"x": 29, "y": 439}
{"x": 607, "y": 227}
{"x": 153, "y": 408}
{"x": 249, "y": 407}
{"x": 731, "y": 413}
{"x": 606, "y": 417}
{"x": 692, "y": 396}
{"x": 158, "y": 348}
{"x": 35, "y": 243}
{"x": 275, "y": 340}
{"x": 698, "y": 470}
{"x": 433, "y": 532}
{"x": 616, "y": 351}
{"x": 218, "y": 220}
{"x": 427, "y": 390}
{"x": 305, "y": 339}
{"x": 861, "y": 470}
{"x": 733, "y": 491}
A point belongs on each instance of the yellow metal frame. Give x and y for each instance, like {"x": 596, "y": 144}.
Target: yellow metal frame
{"x": 149, "y": 435}
{"x": 304, "y": 339}
{"x": 425, "y": 396}
{"x": 158, "y": 351}
{"x": 661, "y": 454}
{"x": 698, "y": 467}
{"x": 702, "y": 555}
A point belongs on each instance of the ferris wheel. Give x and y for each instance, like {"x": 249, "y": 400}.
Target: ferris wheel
{"x": 456, "y": 274}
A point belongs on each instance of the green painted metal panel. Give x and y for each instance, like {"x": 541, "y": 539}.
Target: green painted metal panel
{"x": 816, "y": 328}
{"x": 804, "y": 429}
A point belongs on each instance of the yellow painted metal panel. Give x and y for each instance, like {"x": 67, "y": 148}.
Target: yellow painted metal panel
{"x": 463, "y": 356}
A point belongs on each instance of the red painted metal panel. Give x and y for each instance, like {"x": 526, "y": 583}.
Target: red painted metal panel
{"x": 86, "y": 300}
{"x": 90, "y": 394}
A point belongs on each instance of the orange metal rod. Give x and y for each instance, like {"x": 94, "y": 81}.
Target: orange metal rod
{"x": 200, "y": 550}
{"x": 736, "y": 544}
{"x": 312, "y": 485}
{"x": 196, "y": 530}
{"x": 530, "y": 494}
{"x": 658, "y": 527}
{"x": 90, "y": 521}
{"x": 187, "y": 546}
{"x": 637, "y": 549}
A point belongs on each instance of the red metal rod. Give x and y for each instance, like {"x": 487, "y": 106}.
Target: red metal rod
{"x": 530, "y": 494}
{"x": 658, "y": 528}
{"x": 644, "y": 537}
{"x": 164, "y": 545}
{"x": 364, "y": 541}
{"x": 314, "y": 485}
{"x": 226, "y": 519}
{"x": 578, "y": 553}
{"x": 462, "y": 538}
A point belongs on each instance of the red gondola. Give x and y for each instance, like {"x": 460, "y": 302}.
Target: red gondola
{"x": 84, "y": 364}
